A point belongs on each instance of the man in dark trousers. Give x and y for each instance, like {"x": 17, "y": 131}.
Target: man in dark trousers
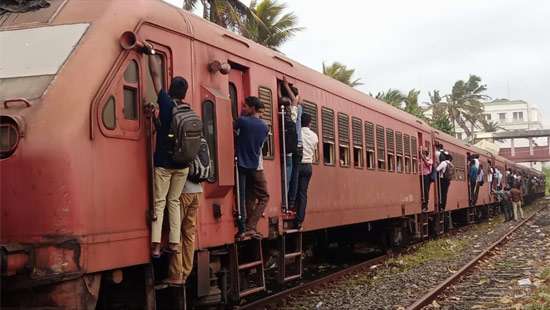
{"x": 251, "y": 134}
{"x": 309, "y": 143}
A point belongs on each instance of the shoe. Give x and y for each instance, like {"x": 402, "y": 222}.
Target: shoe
{"x": 253, "y": 234}
{"x": 172, "y": 248}
{"x": 174, "y": 281}
{"x": 240, "y": 235}
{"x": 155, "y": 250}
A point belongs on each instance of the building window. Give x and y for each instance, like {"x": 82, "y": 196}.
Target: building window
{"x": 518, "y": 116}
{"x": 502, "y": 117}
{"x": 343, "y": 140}
{"x": 459, "y": 135}
{"x": 488, "y": 117}
{"x": 327, "y": 123}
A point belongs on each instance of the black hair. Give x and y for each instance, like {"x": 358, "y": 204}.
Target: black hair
{"x": 178, "y": 88}
{"x": 294, "y": 90}
{"x": 448, "y": 157}
{"x": 306, "y": 120}
{"x": 254, "y": 102}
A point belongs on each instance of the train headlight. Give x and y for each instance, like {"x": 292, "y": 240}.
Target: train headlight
{"x": 9, "y": 136}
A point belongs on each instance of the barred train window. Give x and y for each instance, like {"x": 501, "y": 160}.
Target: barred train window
{"x": 357, "y": 137}
{"x": 265, "y": 96}
{"x": 343, "y": 140}
{"x": 381, "y": 147}
{"x": 399, "y": 151}
{"x": 370, "y": 145}
{"x": 311, "y": 109}
{"x": 327, "y": 122}
{"x": 209, "y": 131}
{"x": 407, "y": 139}
{"x": 390, "y": 149}
{"x": 414, "y": 151}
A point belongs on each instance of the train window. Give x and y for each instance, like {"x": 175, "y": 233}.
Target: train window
{"x": 311, "y": 109}
{"x": 414, "y": 151}
{"x": 357, "y": 137}
{"x": 407, "y": 141}
{"x": 399, "y": 151}
{"x": 234, "y": 100}
{"x": 266, "y": 97}
{"x": 390, "y": 149}
{"x": 209, "y": 131}
{"x": 108, "y": 115}
{"x": 327, "y": 123}
{"x": 130, "y": 103}
{"x": 380, "y": 147}
{"x": 343, "y": 140}
{"x": 131, "y": 73}
{"x": 369, "y": 144}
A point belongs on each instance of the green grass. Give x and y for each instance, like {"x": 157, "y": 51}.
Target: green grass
{"x": 541, "y": 298}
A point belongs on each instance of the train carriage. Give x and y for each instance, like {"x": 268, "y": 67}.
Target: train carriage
{"x": 75, "y": 155}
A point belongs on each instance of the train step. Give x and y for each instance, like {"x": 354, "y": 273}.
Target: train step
{"x": 290, "y": 254}
{"x": 247, "y": 267}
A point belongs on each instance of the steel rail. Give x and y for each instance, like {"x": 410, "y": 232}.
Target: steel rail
{"x": 331, "y": 277}
{"x": 432, "y": 294}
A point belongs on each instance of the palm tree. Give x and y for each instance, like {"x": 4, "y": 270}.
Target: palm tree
{"x": 491, "y": 126}
{"x": 392, "y": 97}
{"x": 440, "y": 118}
{"x": 464, "y": 104}
{"x": 341, "y": 73}
{"x": 273, "y": 28}
{"x": 411, "y": 104}
{"x": 230, "y": 14}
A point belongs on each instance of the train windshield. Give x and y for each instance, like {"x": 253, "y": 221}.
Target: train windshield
{"x": 30, "y": 58}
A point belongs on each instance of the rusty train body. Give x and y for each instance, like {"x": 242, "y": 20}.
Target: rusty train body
{"x": 75, "y": 183}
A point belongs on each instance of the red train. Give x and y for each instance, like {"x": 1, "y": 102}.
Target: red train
{"x": 75, "y": 180}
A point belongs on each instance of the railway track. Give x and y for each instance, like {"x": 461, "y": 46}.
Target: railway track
{"x": 275, "y": 300}
{"x": 501, "y": 274}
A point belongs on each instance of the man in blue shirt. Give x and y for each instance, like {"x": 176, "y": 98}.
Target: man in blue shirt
{"x": 170, "y": 177}
{"x": 251, "y": 134}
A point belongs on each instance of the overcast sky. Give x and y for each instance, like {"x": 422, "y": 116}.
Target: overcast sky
{"x": 429, "y": 44}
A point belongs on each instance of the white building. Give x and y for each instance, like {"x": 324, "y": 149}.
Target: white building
{"x": 509, "y": 115}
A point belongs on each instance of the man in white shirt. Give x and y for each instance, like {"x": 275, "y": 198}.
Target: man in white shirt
{"x": 309, "y": 143}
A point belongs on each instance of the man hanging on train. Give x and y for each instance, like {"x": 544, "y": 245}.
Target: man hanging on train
{"x": 171, "y": 166}
{"x": 446, "y": 175}
{"x": 309, "y": 142}
{"x": 251, "y": 133}
{"x": 181, "y": 263}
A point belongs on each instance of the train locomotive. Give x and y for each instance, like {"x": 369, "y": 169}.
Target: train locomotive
{"x": 75, "y": 158}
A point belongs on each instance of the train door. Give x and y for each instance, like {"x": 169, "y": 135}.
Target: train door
{"x": 424, "y": 143}
{"x": 239, "y": 89}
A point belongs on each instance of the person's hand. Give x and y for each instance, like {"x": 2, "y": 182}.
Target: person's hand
{"x": 148, "y": 48}
{"x": 149, "y": 109}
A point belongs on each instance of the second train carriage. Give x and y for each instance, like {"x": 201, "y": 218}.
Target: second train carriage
{"x": 75, "y": 161}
